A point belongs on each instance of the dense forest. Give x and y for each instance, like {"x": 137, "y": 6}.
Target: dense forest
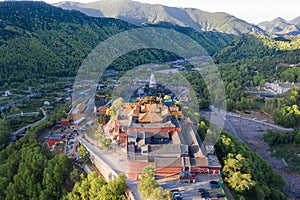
{"x": 53, "y": 43}
{"x": 286, "y": 112}
{"x": 256, "y": 46}
{"x": 29, "y": 171}
{"x": 250, "y": 61}
{"x": 40, "y": 41}
{"x": 238, "y": 160}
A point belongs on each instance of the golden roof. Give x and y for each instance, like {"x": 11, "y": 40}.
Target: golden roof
{"x": 150, "y": 117}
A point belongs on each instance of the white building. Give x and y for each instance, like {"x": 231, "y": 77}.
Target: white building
{"x": 6, "y": 93}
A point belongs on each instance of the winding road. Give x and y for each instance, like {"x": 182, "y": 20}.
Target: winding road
{"x": 18, "y": 101}
{"x": 33, "y": 124}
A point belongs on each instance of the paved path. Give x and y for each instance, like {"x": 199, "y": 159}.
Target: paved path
{"x": 233, "y": 115}
{"x": 18, "y": 101}
{"x": 22, "y": 114}
{"x": 116, "y": 160}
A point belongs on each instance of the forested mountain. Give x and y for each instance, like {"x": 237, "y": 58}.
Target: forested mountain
{"x": 139, "y": 13}
{"x": 251, "y": 58}
{"x": 38, "y": 40}
{"x": 250, "y": 61}
{"x": 281, "y": 27}
{"x": 257, "y": 46}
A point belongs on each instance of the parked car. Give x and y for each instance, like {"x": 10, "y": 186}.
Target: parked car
{"x": 214, "y": 184}
{"x": 176, "y": 195}
{"x": 202, "y": 190}
{"x": 178, "y": 198}
{"x": 219, "y": 195}
{"x": 205, "y": 195}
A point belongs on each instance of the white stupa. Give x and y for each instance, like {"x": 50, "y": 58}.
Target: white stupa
{"x": 153, "y": 83}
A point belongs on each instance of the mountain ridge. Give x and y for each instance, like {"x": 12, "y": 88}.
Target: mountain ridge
{"x": 281, "y": 27}
{"x": 139, "y": 13}
{"x": 296, "y": 21}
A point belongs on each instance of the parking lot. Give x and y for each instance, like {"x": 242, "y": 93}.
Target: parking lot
{"x": 72, "y": 145}
{"x": 190, "y": 191}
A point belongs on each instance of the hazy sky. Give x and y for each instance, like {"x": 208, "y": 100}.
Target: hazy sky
{"x": 252, "y": 11}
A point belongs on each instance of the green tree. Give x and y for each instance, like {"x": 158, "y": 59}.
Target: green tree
{"x": 82, "y": 152}
{"x": 236, "y": 178}
{"x": 149, "y": 188}
{"x": 104, "y": 141}
{"x": 101, "y": 119}
{"x": 297, "y": 138}
{"x": 114, "y": 189}
{"x": 4, "y": 134}
{"x": 94, "y": 187}
{"x": 54, "y": 176}
{"x": 75, "y": 175}
{"x": 113, "y": 110}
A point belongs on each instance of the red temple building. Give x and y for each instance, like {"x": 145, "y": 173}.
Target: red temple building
{"x": 153, "y": 133}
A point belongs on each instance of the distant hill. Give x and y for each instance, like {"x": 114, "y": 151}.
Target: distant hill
{"x": 296, "y": 21}
{"x": 139, "y": 13}
{"x": 281, "y": 27}
{"x": 257, "y": 47}
{"x": 40, "y": 41}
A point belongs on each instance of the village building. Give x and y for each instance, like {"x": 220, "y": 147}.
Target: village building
{"x": 278, "y": 87}
{"x": 54, "y": 138}
{"x": 65, "y": 122}
{"x": 6, "y": 93}
{"x": 101, "y": 111}
{"x": 77, "y": 112}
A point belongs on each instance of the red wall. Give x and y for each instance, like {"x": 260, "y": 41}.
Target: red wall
{"x": 52, "y": 142}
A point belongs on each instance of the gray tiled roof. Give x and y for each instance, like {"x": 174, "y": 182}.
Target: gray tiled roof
{"x": 163, "y": 162}
{"x": 168, "y": 149}
{"x": 213, "y": 161}
{"x": 152, "y": 125}
{"x": 202, "y": 161}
